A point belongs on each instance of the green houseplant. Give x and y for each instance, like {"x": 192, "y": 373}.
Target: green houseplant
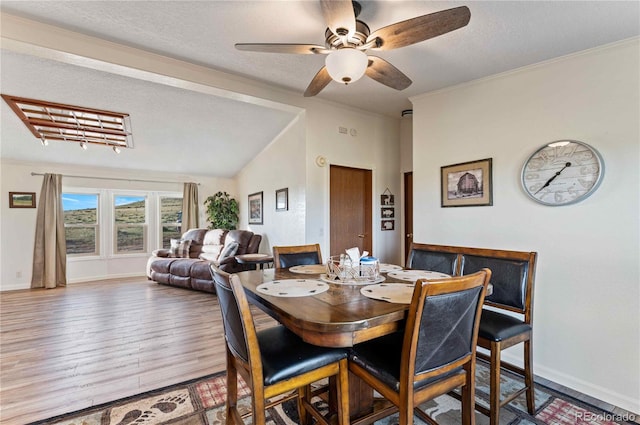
{"x": 222, "y": 211}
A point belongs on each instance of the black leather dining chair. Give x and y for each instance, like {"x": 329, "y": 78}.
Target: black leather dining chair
{"x": 296, "y": 255}
{"x": 273, "y": 361}
{"x": 512, "y": 282}
{"x": 435, "y": 353}
{"x": 436, "y": 258}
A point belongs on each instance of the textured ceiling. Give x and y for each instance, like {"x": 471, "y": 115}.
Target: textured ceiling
{"x": 501, "y": 36}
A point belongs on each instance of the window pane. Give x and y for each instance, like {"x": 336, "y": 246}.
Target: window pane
{"x": 80, "y": 208}
{"x": 130, "y": 209}
{"x": 170, "y": 232}
{"x": 130, "y": 239}
{"x": 170, "y": 210}
{"x": 81, "y": 240}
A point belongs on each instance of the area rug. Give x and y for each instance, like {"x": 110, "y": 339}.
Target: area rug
{"x": 201, "y": 402}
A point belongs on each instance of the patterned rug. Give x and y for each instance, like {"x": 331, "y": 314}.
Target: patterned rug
{"x": 201, "y": 402}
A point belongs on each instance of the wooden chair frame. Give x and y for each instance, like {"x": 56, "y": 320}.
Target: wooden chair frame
{"x": 407, "y": 400}
{"x": 496, "y": 347}
{"x": 252, "y": 373}
{"x": 294, "y": 249}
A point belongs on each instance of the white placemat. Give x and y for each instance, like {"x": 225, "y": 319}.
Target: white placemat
{"x": 386, "y": 268}
{"x": 309, "y": 269}
{"x": 293, "y": 287}
{"x": 399, "y": 293}
{"x": 364, "y": 281}
{"x": 414, "y": 275}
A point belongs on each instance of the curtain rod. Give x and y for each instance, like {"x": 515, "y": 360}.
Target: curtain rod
{"x": 112, "y": 178}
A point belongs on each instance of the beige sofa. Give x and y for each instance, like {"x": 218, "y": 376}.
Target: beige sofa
{"x": 205, "y": 247}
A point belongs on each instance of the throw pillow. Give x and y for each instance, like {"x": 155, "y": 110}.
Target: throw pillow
{"x": 180, "y": 248}
{"x": 229, "y": 250}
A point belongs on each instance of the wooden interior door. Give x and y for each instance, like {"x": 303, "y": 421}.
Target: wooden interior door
{"x": 350, "y": 209}
{"x": 408, "y": 213}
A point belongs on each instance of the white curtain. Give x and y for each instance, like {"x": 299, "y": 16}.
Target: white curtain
{"x": 190, "y": 214}
{"x": 50, "y": 247}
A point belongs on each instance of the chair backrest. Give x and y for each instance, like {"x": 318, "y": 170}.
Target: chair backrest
{"x": 237, "y": 320}
{"x": 437, "y": 258}
{"x": 442, "y": 326}
{"x": 289, "y": 256}
{"x": 513, "y": 274}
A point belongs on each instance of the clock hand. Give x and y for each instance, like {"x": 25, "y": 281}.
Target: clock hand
{"x": 568, "y": 164}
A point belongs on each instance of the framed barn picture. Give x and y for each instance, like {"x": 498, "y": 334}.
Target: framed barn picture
{"x": 468, "y": 184}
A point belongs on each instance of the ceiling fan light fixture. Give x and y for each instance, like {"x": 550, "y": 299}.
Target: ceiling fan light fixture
{"x": 346, "y": 65}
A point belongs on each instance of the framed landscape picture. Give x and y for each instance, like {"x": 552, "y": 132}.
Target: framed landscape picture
{"x": 468, "y": 184}
{"x": 22, "y": 199}
{"x": 255, "y": 208}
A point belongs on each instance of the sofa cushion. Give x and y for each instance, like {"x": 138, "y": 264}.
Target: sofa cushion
{"x": 196, "y": 236}
{"x": 229, "y": 250}
{"x": 214, "y": 237}
{"x": 242, "y": 237}
{"x": 180, "y": 248}
{"x": 182, "y": 267}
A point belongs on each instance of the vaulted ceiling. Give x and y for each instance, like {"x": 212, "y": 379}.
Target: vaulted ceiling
{"x": 501, "y": 36}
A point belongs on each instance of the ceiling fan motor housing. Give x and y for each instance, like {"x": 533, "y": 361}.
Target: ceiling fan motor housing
{"x": 357, "y": 39}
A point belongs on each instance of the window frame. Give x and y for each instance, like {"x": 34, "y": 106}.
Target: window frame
{"x": 161, "y": 224}
{"x": 97, "y": 227}
{"x": 115, "y": 193}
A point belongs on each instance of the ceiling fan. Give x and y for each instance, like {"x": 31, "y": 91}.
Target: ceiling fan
{"x": 347, "y": 38}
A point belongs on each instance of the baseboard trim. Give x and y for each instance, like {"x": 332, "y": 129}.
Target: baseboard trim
{"x": 601, "y": 396}
{"x": 111, "y": 276}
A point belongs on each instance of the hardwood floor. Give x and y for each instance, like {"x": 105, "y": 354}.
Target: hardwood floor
{"x": 70, "y": 348}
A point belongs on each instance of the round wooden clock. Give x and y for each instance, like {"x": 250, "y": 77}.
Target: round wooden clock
{"x": 562, "y": 172}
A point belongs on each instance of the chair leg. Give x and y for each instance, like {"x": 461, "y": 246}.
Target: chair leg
{"x": 342, "y": 386}
{"x": 405, "y": 409}
{"x": 304, "y": 393}
{"x": 468, "y": 399}
{"x": 232, "y": 390}
{"x": 258, "y": 410}
{"x": 528, "y": 376}
{"x": 494, "y": 386}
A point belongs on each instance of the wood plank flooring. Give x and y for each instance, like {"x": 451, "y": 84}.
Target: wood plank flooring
{"x": 70, "y": 348}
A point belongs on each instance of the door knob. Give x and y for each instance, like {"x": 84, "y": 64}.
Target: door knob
{"x": 361, "y": 236}
{"x": 409, "y": 235}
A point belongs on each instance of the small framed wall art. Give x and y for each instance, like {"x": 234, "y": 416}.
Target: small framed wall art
{"x": 387, "y": 225}
{"x": 468, "y": 184}
{"x": 255, "y": 208}
{"x": 22, "y": 199}
{"x": 282, "y": 199}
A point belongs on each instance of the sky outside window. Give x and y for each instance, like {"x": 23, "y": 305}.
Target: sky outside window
{"x": 77, "y": 201}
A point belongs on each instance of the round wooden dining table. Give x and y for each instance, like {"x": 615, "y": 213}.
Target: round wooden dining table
{"x": 338, "y": 317}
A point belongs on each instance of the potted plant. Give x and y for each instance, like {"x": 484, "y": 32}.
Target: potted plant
{"x": 222, "y": 211}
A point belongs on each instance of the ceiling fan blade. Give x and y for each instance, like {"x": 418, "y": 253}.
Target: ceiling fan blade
{"x": 387, "y": 74}
{"x": 420, "y": 28}
{"x": 301, "y": 49}
{"x": 339, "y": 16}
{"x": 319, "y": 82}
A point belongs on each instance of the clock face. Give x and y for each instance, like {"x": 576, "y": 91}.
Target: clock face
{"x": 562, "y": 173}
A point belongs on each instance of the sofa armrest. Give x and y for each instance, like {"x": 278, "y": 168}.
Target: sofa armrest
{"x": 162, "y": 253}
{"x": 227, "y": 260}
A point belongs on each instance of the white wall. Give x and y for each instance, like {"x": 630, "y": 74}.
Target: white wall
{"x": 18, "y": 225}
{"x": 290, "y": 161}
{"x": 374, "y": 145}
{"x": 280, "y": 165}
{"x": 587, "y": 310}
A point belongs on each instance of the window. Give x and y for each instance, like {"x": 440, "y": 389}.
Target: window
{"x": 81, "y": 220}
{"x": 170, "y": 219}
{"x": 130, "y": 224}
